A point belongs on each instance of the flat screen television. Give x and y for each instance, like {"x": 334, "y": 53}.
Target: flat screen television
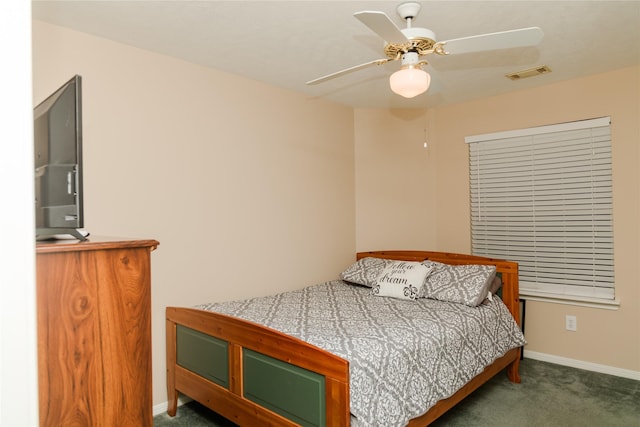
{"x": 57, "y": 135}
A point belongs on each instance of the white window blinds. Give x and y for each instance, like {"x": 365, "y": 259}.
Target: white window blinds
{"x": 543, "y": 197}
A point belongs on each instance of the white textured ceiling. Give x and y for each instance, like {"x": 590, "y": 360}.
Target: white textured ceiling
{"x": 286, "y": 43}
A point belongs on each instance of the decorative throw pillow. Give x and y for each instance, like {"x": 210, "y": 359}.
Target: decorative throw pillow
{"x": 401, "y": 279}
{"x": 365, "y": 271}
{"x": 465, "y": 284}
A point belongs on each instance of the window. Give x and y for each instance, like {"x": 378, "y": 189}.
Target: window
{"x": 543, "y": 197}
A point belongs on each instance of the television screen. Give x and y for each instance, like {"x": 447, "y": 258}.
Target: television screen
{"x": 57, "y": 134}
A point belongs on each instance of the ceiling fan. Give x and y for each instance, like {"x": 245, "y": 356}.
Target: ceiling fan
{"x": 412, "y": 43}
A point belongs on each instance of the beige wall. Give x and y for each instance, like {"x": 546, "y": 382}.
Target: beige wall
{"x": 248, "y": 188}
{"x": 604, "y": 337}
{"x": 395, "y": 180}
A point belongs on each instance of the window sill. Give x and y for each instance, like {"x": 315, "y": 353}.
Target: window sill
{"x": 605, "y": 304}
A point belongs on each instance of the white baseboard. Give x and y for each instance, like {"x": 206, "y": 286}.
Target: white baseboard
{"x": 161, "y": 408}
{"x": 588, "y": 366}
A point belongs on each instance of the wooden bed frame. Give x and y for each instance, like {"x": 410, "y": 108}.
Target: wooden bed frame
{"x": 231, "y": 340}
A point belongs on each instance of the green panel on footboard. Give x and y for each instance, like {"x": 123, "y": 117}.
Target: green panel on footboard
{"x": 205, "y": 355}
{"x": 293, "y": 392}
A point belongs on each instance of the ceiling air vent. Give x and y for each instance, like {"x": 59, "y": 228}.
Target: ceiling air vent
{"x": 529, "y": 72}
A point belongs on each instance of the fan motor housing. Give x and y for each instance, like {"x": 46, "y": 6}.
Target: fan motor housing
{"x": 420, "y": 40}
{"x": 419, "y": 34}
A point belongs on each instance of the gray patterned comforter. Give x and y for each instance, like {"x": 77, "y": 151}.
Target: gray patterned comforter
{"x": 403, "y": 356}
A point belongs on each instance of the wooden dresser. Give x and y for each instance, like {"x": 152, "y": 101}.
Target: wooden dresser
{"x": 94, "y": 332}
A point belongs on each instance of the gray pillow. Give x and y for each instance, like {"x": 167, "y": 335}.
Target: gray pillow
{"x": 496, "y": 284}
{"x": 365, "y": 271}
{"x": 465, "y": 284}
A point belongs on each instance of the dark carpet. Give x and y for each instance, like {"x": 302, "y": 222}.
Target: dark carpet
{"x": 549, "y": 395}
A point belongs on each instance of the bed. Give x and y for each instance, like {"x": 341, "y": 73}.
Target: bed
{"x": 254, "y": 374}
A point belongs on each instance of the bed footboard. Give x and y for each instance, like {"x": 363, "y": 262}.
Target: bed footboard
{"x": 251, "y": 374}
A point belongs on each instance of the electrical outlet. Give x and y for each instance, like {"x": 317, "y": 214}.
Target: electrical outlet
{"x": 571, "y": 323}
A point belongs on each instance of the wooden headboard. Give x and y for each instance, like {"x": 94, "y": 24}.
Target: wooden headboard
{"x": 507, "y": 269}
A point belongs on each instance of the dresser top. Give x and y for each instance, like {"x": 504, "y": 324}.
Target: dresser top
{"x": 93, "y": 243}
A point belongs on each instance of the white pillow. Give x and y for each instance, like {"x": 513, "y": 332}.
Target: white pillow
{"x": 401, "y": 279}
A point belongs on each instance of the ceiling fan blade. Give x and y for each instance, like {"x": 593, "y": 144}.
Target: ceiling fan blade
{"x": 347, "y": 70}
{"x": 379, "y": 23}
{"x": 492, "y": 41}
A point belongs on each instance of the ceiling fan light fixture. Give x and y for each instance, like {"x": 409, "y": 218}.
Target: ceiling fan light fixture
{"x": 410, "y": 81}
{"x": 412, "y": 43}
